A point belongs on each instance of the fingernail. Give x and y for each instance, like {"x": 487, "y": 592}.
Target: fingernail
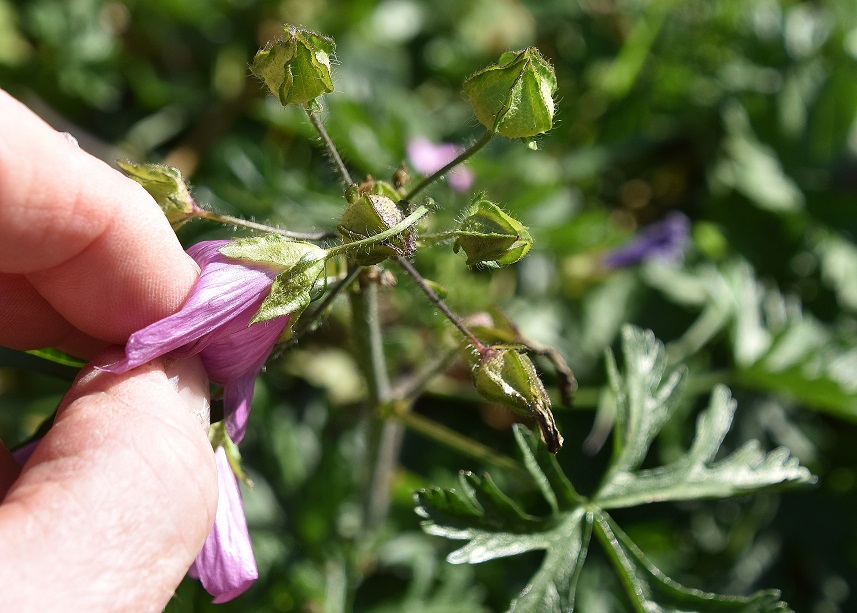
{"x": 189, "y": 379}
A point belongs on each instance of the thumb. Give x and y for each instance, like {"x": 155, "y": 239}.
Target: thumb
{"x": 116, "y": 501}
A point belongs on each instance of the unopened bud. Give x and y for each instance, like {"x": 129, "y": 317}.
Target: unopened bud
{"x": 296, "y": 68}
{"x": 515, "y": 96}
{"x": 491, "y": 237}
{"x": 503, "y": 375}
{"x": 166, "y": 185}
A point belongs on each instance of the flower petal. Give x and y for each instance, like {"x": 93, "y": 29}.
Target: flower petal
{"x": 226, "y": 565}
{"x": 223, "y": 292}
{"x": 237, "y": 399}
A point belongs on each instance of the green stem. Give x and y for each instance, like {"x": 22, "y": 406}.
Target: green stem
{"x": 328, "y": 144}
{"x": 454, "y": 440}
{"x": 400, "y": 227}
{"x": 458, "y": 160}
{"x": 439, "y": 303}
{"x": 309, "y": 323}
{"x": 436, "y": 237}
{"x": 229, "y": 220}
{"x": 383, "y": 439}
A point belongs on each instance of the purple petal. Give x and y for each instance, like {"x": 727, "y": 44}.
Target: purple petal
{"x": 222, "y": 293}
{"x": 427, "y": 157}
{"x": 239, "y": 348}
{"x": 226, "y": 566}
{"x": 237, "y": 399}
{"x": 460, "y": 179}
{"x": 664, "y": 240}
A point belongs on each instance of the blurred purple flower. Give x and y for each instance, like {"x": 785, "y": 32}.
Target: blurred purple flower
{"x": 665, "y": 240}
{"x": 226, "y": 566}
{"x": 427, "y": 157}
{"x": 214, "y": 322}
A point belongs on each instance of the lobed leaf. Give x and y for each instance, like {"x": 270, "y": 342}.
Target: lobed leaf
{"x": 651, "y": 591}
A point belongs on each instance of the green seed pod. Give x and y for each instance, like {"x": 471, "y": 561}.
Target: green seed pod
{"x": 296, "y": 68}
{"x": 371, "y": 214}
{"x": 515, "y": 96}
{"x": 491, "y": 237}
{"x": 166, "y": 185}
{"x": 505, "y": 376}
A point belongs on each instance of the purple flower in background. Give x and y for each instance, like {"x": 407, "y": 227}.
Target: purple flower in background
{"x": 665, "y": 240}
{"x": 214, "y": 323}
{"x": 226, "y": 566}
{"x": 427, "y": 157}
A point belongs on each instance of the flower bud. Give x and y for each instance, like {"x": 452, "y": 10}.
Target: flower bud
{"x": 515, "y": 96}
{"x": 489, "y": 236}
{"x": 368, "y": 215}
{"x": 503, "y": 375}
{"x": 296, "y": 68}
{"x": 166, "y": 185}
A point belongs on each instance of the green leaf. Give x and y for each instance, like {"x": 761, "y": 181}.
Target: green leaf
{"x": 47, "y": 361}
{"x": 645, "y": 397}
{"x": 273, "y": 250}
{"x": 838, "y": 259}
{"x": 753, "y": 168}
{"x": 546, "y": 471}
{"x": 291, "y": 292}
{"x": 301, "y": 264}
{"x": 774, "y": 344}
{"x": 645, "y": 394}
{"x": 696, "y": 475}
{"x": 496, "y": 527}
{"x": 651, "y": 591}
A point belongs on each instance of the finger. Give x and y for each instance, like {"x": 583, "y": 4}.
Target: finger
{"x": 44, "y": 327}
{"x": 90, "y": 241}
{"x": 118, "y": 498}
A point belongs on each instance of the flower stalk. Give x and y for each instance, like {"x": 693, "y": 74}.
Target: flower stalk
{"x": 439, "y": 303}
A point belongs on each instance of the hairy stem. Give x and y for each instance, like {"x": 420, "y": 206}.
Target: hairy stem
{"x": 329, "y": 146}
{"x": 229, "y": 220}
{"x": 439, "y": 303}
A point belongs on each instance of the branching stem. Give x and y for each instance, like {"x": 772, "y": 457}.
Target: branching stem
{"x": 439, "y": 303}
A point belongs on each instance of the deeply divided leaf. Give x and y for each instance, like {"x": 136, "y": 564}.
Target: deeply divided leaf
{"x": 651, "y": 591}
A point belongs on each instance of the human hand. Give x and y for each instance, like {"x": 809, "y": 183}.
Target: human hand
{"x": 118, "y": 498}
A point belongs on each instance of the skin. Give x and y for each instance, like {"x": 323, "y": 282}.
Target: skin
{"x": 116, "y": 501}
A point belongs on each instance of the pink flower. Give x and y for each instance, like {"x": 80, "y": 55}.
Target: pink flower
{"x": 226, "y": 566}
{"x": 214, "y": 322}
{"x": 427, "y": 157}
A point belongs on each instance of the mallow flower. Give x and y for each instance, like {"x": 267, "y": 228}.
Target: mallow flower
{"x": 214, "y": 322}
{"x": 665, "y": 240}
{"x": 226, "y": 566}
{"x": 427, "y": 158}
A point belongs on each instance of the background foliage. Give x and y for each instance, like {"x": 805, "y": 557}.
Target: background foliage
{"x": 741, "y": 114}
